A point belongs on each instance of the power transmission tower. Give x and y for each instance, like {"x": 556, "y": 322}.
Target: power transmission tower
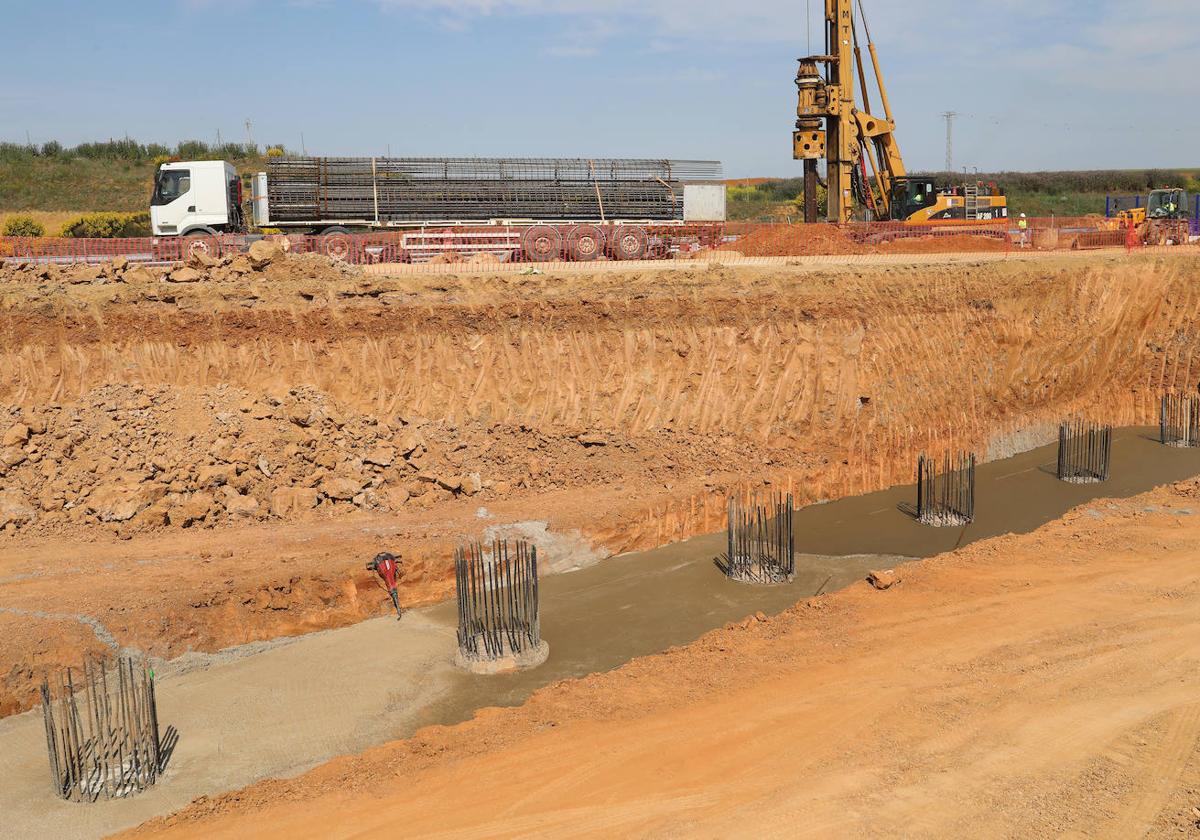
{"x": 950, "y": 116}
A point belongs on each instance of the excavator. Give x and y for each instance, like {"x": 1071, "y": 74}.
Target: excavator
{"x": 831, "y": 126}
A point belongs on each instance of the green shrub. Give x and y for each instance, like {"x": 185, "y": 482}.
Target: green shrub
{"x": 108, "y": 226}
{"x": 23, "y": 226}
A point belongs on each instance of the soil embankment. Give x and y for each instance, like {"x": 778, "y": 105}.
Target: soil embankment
{"x": 1037, "y": 685}
{"x": 193, "y": 464}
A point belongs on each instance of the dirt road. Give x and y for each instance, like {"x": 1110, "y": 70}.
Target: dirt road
{"x": 1041, "y": 685}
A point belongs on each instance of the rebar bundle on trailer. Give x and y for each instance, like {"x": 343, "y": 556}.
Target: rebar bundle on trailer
{"x": 1083, "y": 452}
{"x": 497, "y": 600}
{"x": 102, "y": 730}
{"x": 946, "y": 490}
{"x": 1179, "y": 422}
{"x": 461, "y": 189}
{"x": 761, "y": 543}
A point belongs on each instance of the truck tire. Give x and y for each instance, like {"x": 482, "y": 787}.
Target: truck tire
{"x": 201, "y": 243}
{"x": 337, "y": 244}
{"x": 628, "y": 243}
{"x": 585, "y": 243}
{"x": 542, "y": 243}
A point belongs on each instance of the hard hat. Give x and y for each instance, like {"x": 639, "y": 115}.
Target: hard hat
{"x": 1022, "y": 215}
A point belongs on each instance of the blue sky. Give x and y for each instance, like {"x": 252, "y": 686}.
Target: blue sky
{"x": 1068, "y": 84}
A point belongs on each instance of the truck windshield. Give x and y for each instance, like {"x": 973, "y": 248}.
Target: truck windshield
{"x": 1164, "y": 203}
{"x": 170, "y": 185}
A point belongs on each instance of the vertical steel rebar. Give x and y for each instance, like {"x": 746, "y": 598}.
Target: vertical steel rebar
{"x": 946, "y": 491}
{"x": 497, "y": 599}
{"x": 101, "y": 733}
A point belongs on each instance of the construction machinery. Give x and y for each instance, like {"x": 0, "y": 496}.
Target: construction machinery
{"x": 1165, "y": 217}
{"x": 832, "y": 126}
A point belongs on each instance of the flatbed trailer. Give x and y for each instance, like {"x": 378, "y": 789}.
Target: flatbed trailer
{"x": 536, "y": 210}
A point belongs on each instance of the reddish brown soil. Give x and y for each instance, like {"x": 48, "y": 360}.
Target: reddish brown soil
{"x": 620, "y": 405}
{"x": 948, "y": 244}
{"x": 795, "y": 241}
{"x": 1042, "y": 685}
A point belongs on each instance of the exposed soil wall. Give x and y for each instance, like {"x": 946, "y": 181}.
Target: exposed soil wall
{"x": 309, "y": 414}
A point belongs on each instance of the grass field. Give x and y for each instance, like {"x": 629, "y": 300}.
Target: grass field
{"x": 116, "y": 175}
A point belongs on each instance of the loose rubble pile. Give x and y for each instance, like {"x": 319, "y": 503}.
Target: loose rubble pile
{"x": 153, "y": 457}
{"x": 265, "y": 259}
{"x": 139, "y": 458}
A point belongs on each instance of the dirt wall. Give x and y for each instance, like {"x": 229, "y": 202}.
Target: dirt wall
{"x": 621, "y": 406}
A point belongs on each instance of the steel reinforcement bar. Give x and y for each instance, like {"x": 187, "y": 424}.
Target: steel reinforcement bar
{"x": 1084, "y": 450}
{"x": 101, "y": 730}
{"x": 1179, "y": 420}
{"x": 497, "y": 599}
{"x": 946, "y": 490}
{"x": 761, "y": 542}
{"x": 426, "y": 189}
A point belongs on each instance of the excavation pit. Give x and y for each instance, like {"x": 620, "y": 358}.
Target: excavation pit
{"x": 598, "y": 618}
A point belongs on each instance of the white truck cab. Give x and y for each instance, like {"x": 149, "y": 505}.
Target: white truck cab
{"x": 196, "y": 197}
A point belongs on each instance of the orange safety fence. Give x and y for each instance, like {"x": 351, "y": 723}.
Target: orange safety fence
{"x": 452, "y": 248}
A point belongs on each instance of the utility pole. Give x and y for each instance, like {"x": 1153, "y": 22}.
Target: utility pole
{"x": 949, "y": 117}
{"x": 249, "y": 135}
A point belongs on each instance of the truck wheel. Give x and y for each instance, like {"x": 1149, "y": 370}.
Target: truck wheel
{"x": 200, "y": 243}
{"x": 542, "y": 244}
{"x": 337, "y": 244}
{"x": 585, "y": 243}
{"x": 629, "y": 243}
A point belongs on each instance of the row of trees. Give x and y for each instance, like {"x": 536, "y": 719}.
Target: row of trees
{"x": 132, "y": 151}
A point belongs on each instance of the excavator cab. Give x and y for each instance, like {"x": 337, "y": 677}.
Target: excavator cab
{"x": 910, "y": 196}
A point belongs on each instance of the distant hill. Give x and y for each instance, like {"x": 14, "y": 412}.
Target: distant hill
{"x": 115, "y": 175}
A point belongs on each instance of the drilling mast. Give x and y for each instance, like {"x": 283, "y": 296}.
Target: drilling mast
{"x": 831, "y": 126}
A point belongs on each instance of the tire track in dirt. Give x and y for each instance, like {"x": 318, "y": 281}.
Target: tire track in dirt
{"x": 1159, "y": 776}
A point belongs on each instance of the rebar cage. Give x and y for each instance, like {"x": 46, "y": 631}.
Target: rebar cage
{"x": 427, "y": 189}
{"x": 761, "y": 542}
{"x": 497, "y": 599}
{"x": 1179, "y": 420}
{"x": 102, "y": 729}
{"x": 1083, "y": 452}
{"x": 946, "y": 490}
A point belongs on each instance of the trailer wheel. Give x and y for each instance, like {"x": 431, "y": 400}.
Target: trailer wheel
{"x": 542, "y": 244}
{"x": 585, "y": 243}
{"x": 629, "y": 243}
{"x": 337, "y": 244}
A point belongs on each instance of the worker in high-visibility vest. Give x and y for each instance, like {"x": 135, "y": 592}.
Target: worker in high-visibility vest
{"x": 1023, "y": 225}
